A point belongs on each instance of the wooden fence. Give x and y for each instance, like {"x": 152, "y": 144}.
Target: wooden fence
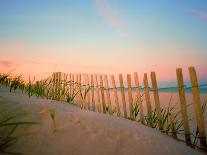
{"x": 92, "y": 92}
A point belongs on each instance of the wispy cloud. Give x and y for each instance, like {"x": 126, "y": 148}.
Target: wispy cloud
{"x": 5, "y": 63}
{"x": 199, "y": 13}
{"x": 111, "y": 16}
{"x": 203, "y": 14}
{"x": 44, "y": 68}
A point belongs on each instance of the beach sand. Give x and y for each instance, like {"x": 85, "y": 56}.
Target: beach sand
{"x": 81, "y": 132}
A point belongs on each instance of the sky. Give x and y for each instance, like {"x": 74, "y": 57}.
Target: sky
{"x": 38, "y": 37}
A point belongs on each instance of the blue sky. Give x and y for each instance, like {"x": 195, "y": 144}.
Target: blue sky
{"x": 158, "y": 19}
{"x": 105, "y": 35}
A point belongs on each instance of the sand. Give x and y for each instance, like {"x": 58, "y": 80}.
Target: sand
{"x": 81, "y": 132}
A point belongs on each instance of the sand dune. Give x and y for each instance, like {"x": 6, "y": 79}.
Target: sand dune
{"x": 82, "y": 132}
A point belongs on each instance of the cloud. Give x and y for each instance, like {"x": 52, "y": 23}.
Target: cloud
{"x": 109, "y": 14}
{"x": 111, "y": 17}
{"x": 41, "y": 69}
{"x": 198, "y": 13}
{"x": 5, "y": 64}
{"x": 203, "y": 14}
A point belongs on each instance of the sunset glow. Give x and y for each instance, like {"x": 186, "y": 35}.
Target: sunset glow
{"x": 103, "y": 36}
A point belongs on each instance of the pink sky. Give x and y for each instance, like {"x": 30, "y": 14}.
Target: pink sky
{"x": 103, "y": 37}
{"x": 39, "y": 67}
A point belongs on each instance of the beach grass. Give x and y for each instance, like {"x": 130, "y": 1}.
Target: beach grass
{"x": 8, "y": 126}
{"x": 48, "y": 88}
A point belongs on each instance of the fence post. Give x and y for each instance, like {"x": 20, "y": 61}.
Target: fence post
{"x": 115, "y": 95}
{"x": 102, "y": 94}
{"x": 123, "y": 95}
{"x": 80, "y": 91}
{"x": 147, "y": 98}
{"x": 59, "y": 84}
{"x": 157, "y": 100}
{"x": 88, "y": 94}
{"x": 66, "y": 88}
{"x": 56, "y": 86}
{"x": 92, "y": 93}
{"x": 83, "y": 93}
{"x": 77, "y": 89}
{"x": 72, "y": 86}
{"x": 68, "y": 83}
{"x": 53, "y": 86}
{"x": 138, "y": 96}
{"x": 183, "y": 105}
{"x": 108, "y": 94}
{"x": 132, "y": 115}
{"x": 78, "y": 94}
{"x": 97, "y": 93}
{"x": 197, "y": 106}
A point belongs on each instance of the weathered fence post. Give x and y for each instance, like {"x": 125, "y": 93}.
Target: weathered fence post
{"x": 59, "y": 84}
{"x": 92, "y": 93}
{"x": 197, "y": 106}
{"x": 72, "y": 86}
{"x": 66, "y": 88}
{"x": 56, "y": 86}
{"x": 68, "y": 85}
{"x": 102, "y": 94}
{"x": 115, "y": 95}
{"x": 84, "y": 91}
{"x": 97, "y": 93}
{"x": 77, "y": 89}
{"x": 53, "y": 86}
{"x": 88, "y": 94}
{"x": 183, "y": 105}
{"x": 123, "y": 95}
{"x": 138, "y": 96}
{"x": 108, "y": 94}
{"x": 132, "y": 115}
{"x": 148, "y": 102}
{"x": 157, "y": 99}
{"x": 80, "y": 91}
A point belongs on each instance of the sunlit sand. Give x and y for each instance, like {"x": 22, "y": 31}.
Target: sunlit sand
{"x": 82, "y": 132}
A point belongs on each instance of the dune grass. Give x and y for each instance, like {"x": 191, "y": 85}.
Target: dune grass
{"x": 8, "y": 126}
{"x": 196, "y": 133}
{"x": 51, "y": 88}
{"x": 5, "y": 78}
